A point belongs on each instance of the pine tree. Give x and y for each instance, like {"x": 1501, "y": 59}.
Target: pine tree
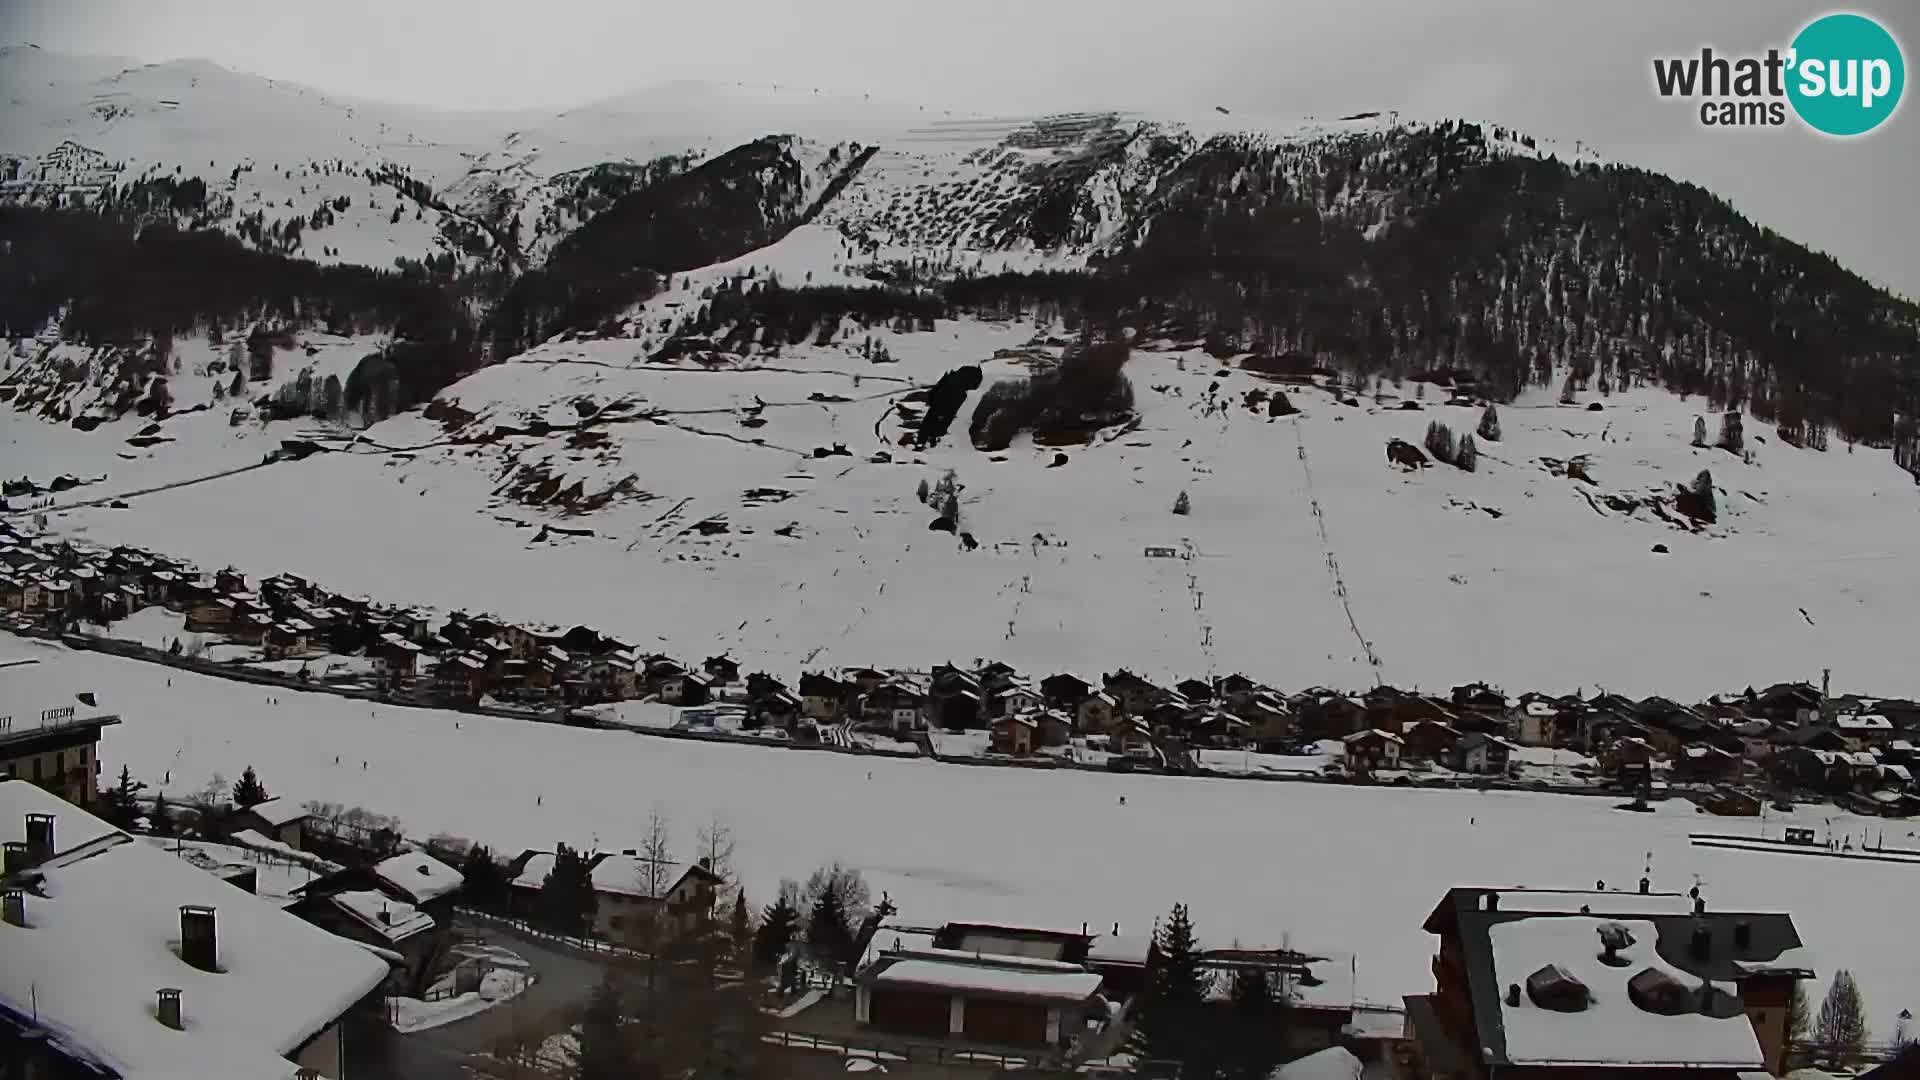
{"x": 1467, "y": 454}
{"x": 160, "y": 818}
{"x": 1700, "y": 431}
{"x": 923, "y": 491}
{"x": 1699, "y": 503}
{"x": 1799, "y": 1016}
{"x": 1440, "y": 442}
{"x": 248, "y": 791}
{"x": 1489, "y": 428}
{"x": 742, "y": 929}
{"x": 1182, "y": 505}
{"x": 120, "y": 804}
{"x": 829, "y": 932}
{"x": 603, "y": 1053}
{"x": 775, "y": 934}
{"x": 1255, "y": 1036}
{"x": 565, "y": 905}
{"x": 1171, "y": 1024}
{"x": 1840, "y": 1030}
{"x": 484, "y": 881}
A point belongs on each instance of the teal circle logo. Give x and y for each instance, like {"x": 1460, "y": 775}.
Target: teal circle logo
{"x": 1847, "y": 74}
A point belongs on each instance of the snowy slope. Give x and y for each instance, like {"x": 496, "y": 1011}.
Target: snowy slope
{"x": 937, "y": 844}
{"x": 829, "y": 560}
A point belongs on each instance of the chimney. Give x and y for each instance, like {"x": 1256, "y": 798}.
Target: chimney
{"x": 1513, "y": 995}
{"x": 1646, "y": 886}
{"x": 1116, "y": 929}
{"x": 168, "y": 1008}
{"x": 199, "y": 944}
{"x": 39, "y": 838}
{"x": 1701, "y": 944}
{"x": 1743, "y": 935}
{"x": 13, "y": 908}
{"x": 1493, "y": 901}
{"x": 1699, "y": 904}
{"x": 16, "y": 861}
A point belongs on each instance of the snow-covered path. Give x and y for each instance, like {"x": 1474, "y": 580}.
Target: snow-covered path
{"x": 1326, "y": 867}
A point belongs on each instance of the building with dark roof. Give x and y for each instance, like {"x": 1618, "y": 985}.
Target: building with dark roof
{"x": 1539, "y": 983}
{"x": 50, "y": 733}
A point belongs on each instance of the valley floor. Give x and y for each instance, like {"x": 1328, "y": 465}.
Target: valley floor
{"x": 1325, "y": 868}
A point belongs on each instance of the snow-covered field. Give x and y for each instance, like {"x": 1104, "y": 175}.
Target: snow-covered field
{"x": 1324, "y": 867}
{"x": 829, "y": 560}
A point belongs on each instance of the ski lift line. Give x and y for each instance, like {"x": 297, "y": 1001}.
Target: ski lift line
{"x": 1333, "y": 560}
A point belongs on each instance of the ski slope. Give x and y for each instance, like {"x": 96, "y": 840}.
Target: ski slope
{"x": 1307, "y": 559}
{"x": 1319, "y": 867}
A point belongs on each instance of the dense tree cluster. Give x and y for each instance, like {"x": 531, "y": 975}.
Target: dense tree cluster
{"x": 1065, "y": 402}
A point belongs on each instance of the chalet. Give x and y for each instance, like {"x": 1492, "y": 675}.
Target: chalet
{"x": 864, "y": 679}
{"x": 1015, "y": 734}
{"x": 1787, "y": 704}
{"x": 1706, "y": 765}
{"x": 347, "y": 905}
{"x": 686, "y": 688}
{"x": 52, "y": 736}
{"x": 1480, "y": 698}
{"x": 130, "y": 954}
{"x": 947, "y": 679}
{"x": 823, "y": 697}
{"x": 996, "y": 675}
{"x": 761, "y": 685}
{"x": 1548, "y": 984}
{"x": 1269, "y": 722}
{"x": 960, "y": 711}
{"x": 1540, "y": 723}
{"x": 982, "y": 998}
{"x": 1372, "y": 751}
{"x": 1222, "y": 729}
{"x": 1195, "y": 690}
{"x": 1132, "y": 738}
{"x": 395, "y": 657}
{"x": 1133, "y": 693}
{"x": 1168, "y": 718}
{"x": 895, "y": 705}
{"x": 1430, "y": 740}
{"x": 250, "y": 628}
{"x": 629, "y": 889}
{"x": 1056, "y": 727}
{"x": 1097, "y": 712}
{"x": 724, "y": 670}
{"x": 276, "y": 819}
{"x": 286, "y": 639}
{"x": 212, "y": 613}
{"x": 1730, "y": 802}
{"x": 1330, "y": 716}
{"x": 1236, "y": 691}
{"x": 1483, "y": 754}
{"x": 1011, "y": 699}
{"x": 1064, "y": 691}
{"x": 461, "y": 678}
{"x": 1863, "y": 731}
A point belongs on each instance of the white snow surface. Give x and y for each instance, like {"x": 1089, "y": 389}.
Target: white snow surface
{"x": 1612, "y": 1030}
{"x": 1803, "y": 570}
{"x": 103, "y": 940}
{"x": 1333, "y": 1063}
{"x": 392, "y": 919}
{"x": 939, "y": 848}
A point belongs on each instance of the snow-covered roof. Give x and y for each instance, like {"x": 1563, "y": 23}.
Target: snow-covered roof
{"x": 1541, "y": 708}
{"x": 277, "y": 811}
{"x": 1333, "y": 1063}
{"x": 627, "y": 874}
{"x": 1612, "y": 1029}
{"x": 394, "y": 920}
{"x": 1119, "y": 949}
{"x": 101, "y": 940}
{"x": 533, "y": 873}
{"x": 419, "y": 875}
{"x": 1053, "y": 982}
{"x": 37, "y": 700}
{"x": 1863, "y": 722}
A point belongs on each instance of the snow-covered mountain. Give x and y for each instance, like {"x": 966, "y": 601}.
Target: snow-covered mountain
{"x": 676, "y": 365}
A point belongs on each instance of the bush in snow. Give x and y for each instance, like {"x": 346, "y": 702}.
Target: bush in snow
{"x": 1181, "y": 505}
{"x": 1489, "y": 428}
{"x": 922, "y": 491}
{"x": 1700, "y": 431}
{"x": 1696, "y": 499}
{"x": 1467, "y": 455}
{"x": 1440, "y": 441}
{"x": 1733, "y": 438}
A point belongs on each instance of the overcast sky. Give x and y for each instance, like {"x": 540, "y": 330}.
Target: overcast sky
{"x": 1572, "y": 71}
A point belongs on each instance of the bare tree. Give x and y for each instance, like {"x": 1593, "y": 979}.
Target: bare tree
{"x": 656, "y": 857}
{"x": 716, "y": 849}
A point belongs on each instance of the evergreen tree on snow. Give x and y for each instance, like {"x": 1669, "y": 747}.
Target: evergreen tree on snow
{"x": 1182, "y": 505}
{"x": 120, "y": 804}
{"x": 1171, "y": 1023}
{"x": 1700, "y": 431}
{"x": 248, "y": 791}
{"x": 160, "y": 818}
{"x": 923, "y": 491}
{"x": 1489, "y": 428}
{"x": 1440, "y": 442}
{"x": 1733, "y": 438}
{"x": 1467, "y": 454}
{"x": 566, "y": 902}
{"x": 603, "y": 1053}
{"x": 1841, "y": 1028}
{"x": 776, "y": 932}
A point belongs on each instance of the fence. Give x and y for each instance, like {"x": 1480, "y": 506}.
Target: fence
{"x": 528, "y": 929}
{"x": 909, "y": 1052}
